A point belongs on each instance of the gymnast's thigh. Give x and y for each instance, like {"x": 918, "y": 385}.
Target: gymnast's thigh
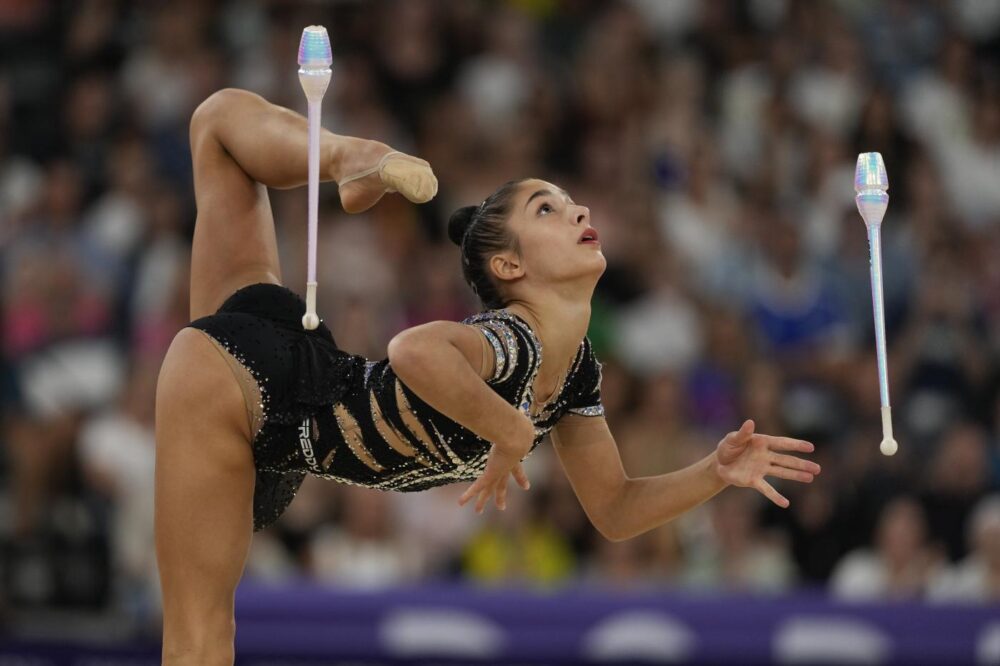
{"x": 234, "y": 239}
{"x": 204, "y": 486}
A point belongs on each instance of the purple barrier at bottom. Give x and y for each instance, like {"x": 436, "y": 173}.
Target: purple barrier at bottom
{"x": 303, "y": 623}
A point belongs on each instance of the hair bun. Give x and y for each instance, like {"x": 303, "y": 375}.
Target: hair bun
{"x": 459, "y": 222}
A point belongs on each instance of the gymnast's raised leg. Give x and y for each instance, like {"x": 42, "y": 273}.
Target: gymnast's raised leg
{"x": 240, "y": 145}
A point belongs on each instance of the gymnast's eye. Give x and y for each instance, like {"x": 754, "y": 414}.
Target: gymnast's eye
{"x": 545, "y": 209}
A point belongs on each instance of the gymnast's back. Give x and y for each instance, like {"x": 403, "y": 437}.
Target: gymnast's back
{"x": 317, "y": 409}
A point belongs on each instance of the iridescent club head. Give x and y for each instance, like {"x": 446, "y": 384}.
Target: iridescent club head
{"x": 314, "y": 49}
{"x": 871, "y": 183}
{"x": 870, "y": 173}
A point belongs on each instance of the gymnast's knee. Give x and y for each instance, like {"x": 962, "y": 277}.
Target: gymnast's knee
{"x": 207, "y": 113}
{"x": 214, "y": 110}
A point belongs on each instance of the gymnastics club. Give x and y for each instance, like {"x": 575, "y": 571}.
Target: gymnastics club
{"x": 870, "y": 184}
{"x": 315, "y": 59}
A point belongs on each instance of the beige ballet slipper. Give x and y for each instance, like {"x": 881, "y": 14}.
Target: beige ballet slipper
{"x": 410, "y": 176}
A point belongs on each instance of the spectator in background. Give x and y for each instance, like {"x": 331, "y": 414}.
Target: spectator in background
{"x": 654, "y": 559}
{"x": 977, "y": 577}
{"x": 116, "y": 222}
{"x": 56, "y": 283}
{"x": 661, "y": 330}
{"x": 902, "y": 563}
{"x": 700, "y": 223}
{"x": 828, "y": 93}
{"x": 736, "y": 555}
{"x": 971, "y": 165}
{"x": 712, "y": 387}
{"x": 422, "y": 530}
{"x": 87, "y": 125}
{"x": 520, "y": 545}
{"x": 816, "y": 532}
{"x": 942, "y": 355}
{"x": 795, "y": 311}
{"x": 159, "y": 301}
{"x": 21, "y": 180}
{"x": 158, "y": 76}
{"x": 364, "y": 550}
{"x": 656, "y": 438}
{"x": 56, "y": 317}
{"x": 117, "y": 453}
{"x": 959, "y": 475}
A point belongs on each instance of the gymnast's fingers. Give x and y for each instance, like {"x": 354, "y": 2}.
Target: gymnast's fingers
{"x": 790, "y": 474}
{"x": 470, "y": 492}
{"x": 501, "y": 496}
{"x": 742, "y": 436}
{"x": 768, "y": 491}
{"x": 791, "y": 462}
{"x": 521, "y": 477}
{"x": 788, "y": 444}
{"x": 483, "y": 499}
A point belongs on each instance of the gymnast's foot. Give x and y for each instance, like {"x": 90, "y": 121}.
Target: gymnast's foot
{"x": 366, "y": 170}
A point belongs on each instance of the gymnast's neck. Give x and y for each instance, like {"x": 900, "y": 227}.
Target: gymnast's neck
{"x": 559, "y": 318}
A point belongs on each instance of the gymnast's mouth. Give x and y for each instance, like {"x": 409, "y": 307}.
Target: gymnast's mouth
{"x": 589, "y": 235}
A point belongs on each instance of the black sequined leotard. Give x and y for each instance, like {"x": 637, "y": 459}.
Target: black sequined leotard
{"x": 339, "y": 416}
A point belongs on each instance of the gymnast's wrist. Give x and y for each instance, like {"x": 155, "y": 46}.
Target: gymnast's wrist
{"x": 517, "y": 438}
{"x": 713, "y": 471}
{"x": 506, "y": 456}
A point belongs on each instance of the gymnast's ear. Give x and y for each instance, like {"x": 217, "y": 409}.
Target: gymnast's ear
{"x": 506, "y": 265}
{"x": 459, "y": 222}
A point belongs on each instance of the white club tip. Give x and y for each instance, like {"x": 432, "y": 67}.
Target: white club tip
{"x": 310, "y": 321}
{"x": 888, "y": 447}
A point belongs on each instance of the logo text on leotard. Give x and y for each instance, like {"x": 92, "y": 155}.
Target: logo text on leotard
{"x": 305, "y": 441}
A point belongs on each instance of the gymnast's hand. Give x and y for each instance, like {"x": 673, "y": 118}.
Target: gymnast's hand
{"x": 502, "y": 461}
{"x": 743, "y": 459}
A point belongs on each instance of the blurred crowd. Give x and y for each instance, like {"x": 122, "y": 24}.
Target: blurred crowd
{"x": 714, "y": 143}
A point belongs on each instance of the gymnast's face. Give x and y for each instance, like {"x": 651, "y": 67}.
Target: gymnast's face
{"x": 556, "y": 244}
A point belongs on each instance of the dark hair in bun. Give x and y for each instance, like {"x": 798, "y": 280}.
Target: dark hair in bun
{"x": 459, "y": 223}
{"x": 481, "y": 232}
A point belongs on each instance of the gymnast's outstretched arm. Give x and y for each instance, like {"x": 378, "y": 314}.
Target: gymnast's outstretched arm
{"x": 621, "y": 507}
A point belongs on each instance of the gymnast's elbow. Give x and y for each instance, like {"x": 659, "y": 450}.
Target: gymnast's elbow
{"x": 422, "y": 350}
{"x": 611, "y": 529}
{"x": 612, "y": 521}
{"x": 408, "y": 353}
{"x": 602, "y": 516}
{"x": 400, "y": 351}
{"x": 616, "y": 532}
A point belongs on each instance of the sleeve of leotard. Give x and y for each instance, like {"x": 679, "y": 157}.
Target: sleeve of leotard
{"x": 513, "y": 353}
{"x": 494, "y": 347}
{"x": 502, "y": 342}
{"x": 585, "y": 387}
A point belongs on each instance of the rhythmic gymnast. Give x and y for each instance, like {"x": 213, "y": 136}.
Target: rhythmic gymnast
{"x": 249, "y": 402}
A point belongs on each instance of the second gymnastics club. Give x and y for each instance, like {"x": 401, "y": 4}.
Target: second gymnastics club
{"x": 315, "y": 58}
{"x": 871, "y": 184}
